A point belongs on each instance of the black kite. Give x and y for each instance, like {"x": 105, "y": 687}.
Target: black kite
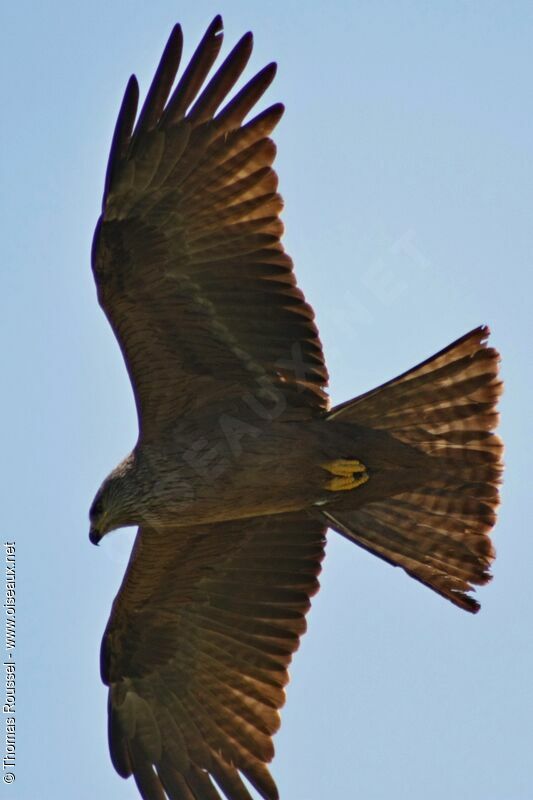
{"x": 240, "y": 466}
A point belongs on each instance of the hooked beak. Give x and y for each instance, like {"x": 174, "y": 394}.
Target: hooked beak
{"x": 94, "y": 536}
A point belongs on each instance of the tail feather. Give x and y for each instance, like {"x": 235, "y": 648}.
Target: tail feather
{"x": 436, "y": 529}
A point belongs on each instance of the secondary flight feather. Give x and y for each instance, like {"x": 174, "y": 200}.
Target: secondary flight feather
{"x": 240, "y": 466}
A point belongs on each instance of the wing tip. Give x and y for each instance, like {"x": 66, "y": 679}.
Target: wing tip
{"x": 122, "y": 132}
{"x": 216, "y": 26}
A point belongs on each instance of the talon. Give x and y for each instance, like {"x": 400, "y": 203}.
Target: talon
{"x": 349, "y": 474}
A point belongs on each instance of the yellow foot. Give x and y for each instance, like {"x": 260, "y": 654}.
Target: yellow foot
{"x": 349, "y": 474}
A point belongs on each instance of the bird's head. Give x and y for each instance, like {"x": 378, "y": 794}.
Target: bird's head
{"x": 113, "y": 503}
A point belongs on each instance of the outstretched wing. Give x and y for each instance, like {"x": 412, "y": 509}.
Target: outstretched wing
{"x": 187, "y": 255}
{"x": 197, "y": 649}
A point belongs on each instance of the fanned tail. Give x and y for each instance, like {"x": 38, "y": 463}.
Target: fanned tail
{"x": 431, "y": 514}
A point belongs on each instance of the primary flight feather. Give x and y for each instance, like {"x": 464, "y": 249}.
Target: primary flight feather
{"x": 240, "y": 467}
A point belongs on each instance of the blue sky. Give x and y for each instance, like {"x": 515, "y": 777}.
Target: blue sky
{"x": 405, "y": 164}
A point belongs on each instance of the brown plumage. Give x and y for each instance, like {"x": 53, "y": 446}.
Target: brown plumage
{"x": 240, "y": 467}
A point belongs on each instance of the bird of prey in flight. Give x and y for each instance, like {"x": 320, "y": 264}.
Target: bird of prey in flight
{"x": 241, "y": 465}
